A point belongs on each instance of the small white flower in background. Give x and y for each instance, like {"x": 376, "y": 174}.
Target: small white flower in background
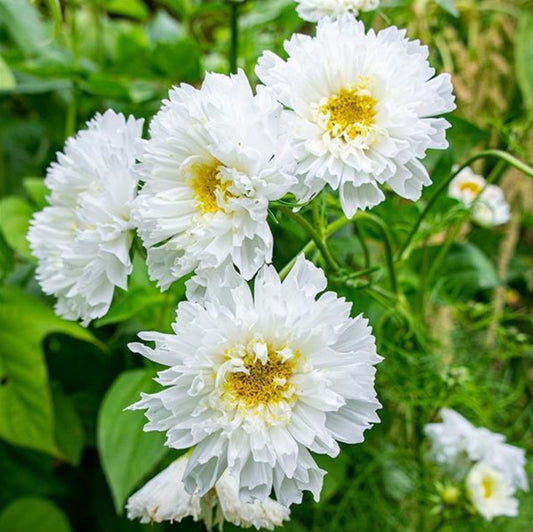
{"x": 363, "y": 108}
{"x": 489, "y": 207}
{"x": 314, "y": 10}
{"x": 457, "y": 443}
{"x": 257, "y": 381}
{"x": 164, "y": 498}
{"x": 215, "y": 158}
{"x": 82, "y": 239}
{"x": 491, "y": 492}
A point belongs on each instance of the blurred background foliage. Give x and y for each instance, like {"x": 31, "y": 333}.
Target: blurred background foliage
{"x": 456, "y": 332}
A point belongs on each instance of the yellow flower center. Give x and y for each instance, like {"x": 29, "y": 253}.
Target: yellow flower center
{"x": 469, "y": 186}
{"x": 264, "y": 384}
{"x": 205, "y": 184}
{"x": 488, "y": 486}
{"x": 351, "y": 112}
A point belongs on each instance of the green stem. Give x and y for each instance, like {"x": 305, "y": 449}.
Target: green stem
{"x": 361, "y": 237}
{"x": 310, "y": 246}
{"x": 504, "y": 156}
{"x": 319, "y": 240}
{"x": 387, "y": 241}
{"x": 234, "y": 43}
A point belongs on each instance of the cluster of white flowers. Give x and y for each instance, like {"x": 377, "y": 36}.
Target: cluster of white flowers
{"x": 492, "y": 469}
{"x": 82, "y": 238}
{"x": 256, "y": 381}
{"x": 489, "y": 207}
{"x": 315, "y": 10}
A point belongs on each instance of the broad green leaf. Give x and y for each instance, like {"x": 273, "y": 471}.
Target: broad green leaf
{"x": 127, "y": 453}
{"x": 133, "y": 302}
{"x": 22, "y": 21}
{"x": 180, "y": 60}
{"x": 31, "y": 514}
{"x": 37, "y": 190}
{"x": 524, "y": 57}
{"x": 15, "y": 215}
{"x": 7, "y": 80}
{"x": 26, "y": 411}
{"x": 68, "y": 429}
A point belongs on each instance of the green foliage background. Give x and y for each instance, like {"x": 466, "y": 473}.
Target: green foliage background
{"x": 70, "y": 455}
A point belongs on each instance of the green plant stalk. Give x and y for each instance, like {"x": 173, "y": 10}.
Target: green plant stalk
{"x": 72, "y": 109}
{"x": 504, "y": 156}
{"x": 234, "y": 39}
{"x": 319, "y": 240}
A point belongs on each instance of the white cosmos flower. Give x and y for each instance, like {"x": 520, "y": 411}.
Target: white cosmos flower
{"x": 215, "y": 158}
{"x": 362, "y": 110}
{"x": 257, "y": 381}
{"x": 489, "y": 207}
{"x": 164, "y": 498}
{"x": 314, "y": 10}
{"x": 490, "y": 492}
{"x": 457, "y": 443}
{"x": 82, "y": 239}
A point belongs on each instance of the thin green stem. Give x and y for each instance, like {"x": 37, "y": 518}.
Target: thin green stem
{"x": 359, "y": 233}
{"x": 319, "y": 240}
{"x": 504, "y": 156}
{"x": 387, "y": 242}
{"x": 310, "y": 246}
{"x": 234, "y": 42}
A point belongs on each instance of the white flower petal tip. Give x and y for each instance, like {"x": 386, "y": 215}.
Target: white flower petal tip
{"x": 216, "y": 156}
{"x": 456, "y": 444}
{"x": 362, "y": 110}
{"x": 257, "y": 380}
{"x": 489, "y": 207}
{"x": 491, "y": 492}
{"x": 315, "y": 10}
{"x": 82, "y": 239}
{"x": 164, "y": 498}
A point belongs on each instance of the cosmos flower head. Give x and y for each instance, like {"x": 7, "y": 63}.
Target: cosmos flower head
{"x": 82, "y": 239}
{"x": 257, "y": 381}
{"x": 489, "y": 207}
{"x": 363, "y": 110}
{"x": 216, "y": 156}
{"x": 456, "y": 443}
{"x": 490, "y": 492}
{"x": 315, "y": 10}
{"x": 164, "y": 498}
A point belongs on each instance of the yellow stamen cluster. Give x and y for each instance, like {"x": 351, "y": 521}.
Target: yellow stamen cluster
{"x": 350, "y": 113}
{"x": 469, "y": 186}
{"x": 205, "y": 183}
{"x": 488, "y": 486}
{"x": 264, "y": 383}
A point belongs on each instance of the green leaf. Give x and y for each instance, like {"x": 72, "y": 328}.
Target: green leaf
{"x": 449, "y": 6}
{"x": 23, "y": 23}
{"x": 524, "y": 57}
{"x": 31, "y": 514}
{"x": 26, "y": 414}
{"x": 127, "y": 453}
{"x": 131, "y": 304}
{"x": 37, "y": 190}
{"x": 180, "y": 60}
{"x": 7, "y": 80}
{"x": 68, "y": 429}
{"x": 15, "y": 215}
{"x": 129, "y": 8}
